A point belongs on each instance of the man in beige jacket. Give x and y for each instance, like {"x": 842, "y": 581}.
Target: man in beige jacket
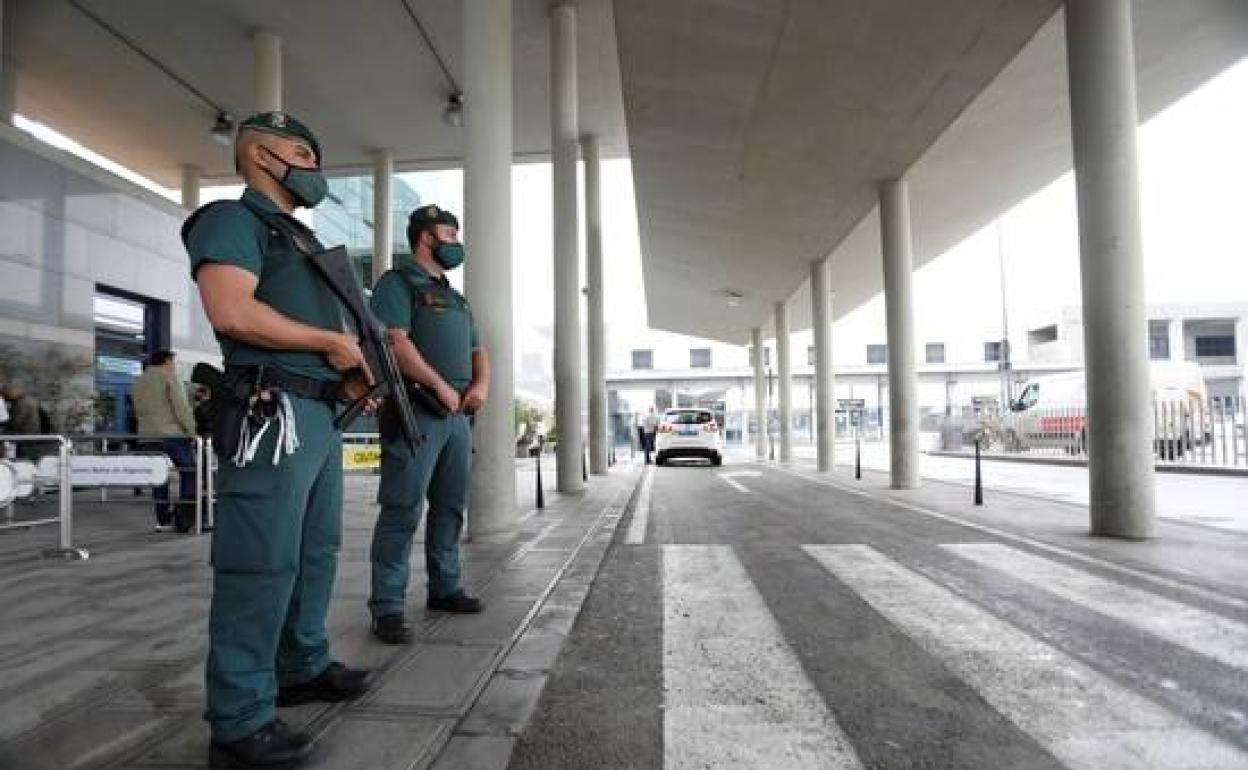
{"x": 161, "y": 407}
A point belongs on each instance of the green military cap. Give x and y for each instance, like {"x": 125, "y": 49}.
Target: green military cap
{"x": 427, "y": 216}
{"x": 282, "y": 124}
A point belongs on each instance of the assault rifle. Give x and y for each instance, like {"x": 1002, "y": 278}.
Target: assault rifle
{"x": 335, "y": 268}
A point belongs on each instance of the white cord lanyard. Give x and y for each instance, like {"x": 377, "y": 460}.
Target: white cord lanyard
{"x": 249, "y": 439}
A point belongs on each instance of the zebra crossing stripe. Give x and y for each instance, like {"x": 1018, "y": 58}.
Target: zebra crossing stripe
{"x": 1202, "y": 632}
{"x": 641, "y": 513}
{"x": 1195, "y": 590}
{"x": 735, "y": 694}
{"x": 1079, "y": 715}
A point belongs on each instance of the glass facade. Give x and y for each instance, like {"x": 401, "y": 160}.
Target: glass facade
{"x": 346, "y": 219}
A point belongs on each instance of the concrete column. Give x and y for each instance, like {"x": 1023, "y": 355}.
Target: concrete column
{"x": 1101, "y": 68}
{"x": 190, "y": 186}
{"x": 383, "y": 208}
{"x": 488, "y": 275}
{"x": 903, "y": 385}
{"x": 784, "y": 381}
{"x": 1241, "y": 357}
{"x": 268, "y": 53}
{"x": 597, "y": 323}
{"x": 1178, "y": 340}
{"x": 8, "y": 65}
{"x": 760, "y": 393}
{"x": 563, "y": 141}
{"x": 825, "y": 382}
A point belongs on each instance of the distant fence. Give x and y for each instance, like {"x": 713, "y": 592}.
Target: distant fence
{"x": 1208, "y": 433}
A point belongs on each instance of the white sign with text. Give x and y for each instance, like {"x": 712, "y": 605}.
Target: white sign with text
{"x": 110, "y": 470}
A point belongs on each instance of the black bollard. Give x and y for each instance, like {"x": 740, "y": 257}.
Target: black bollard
{"x": 979, "y": 482}
{"x": 857, "y": 455}
{"x": 541, "y": 496}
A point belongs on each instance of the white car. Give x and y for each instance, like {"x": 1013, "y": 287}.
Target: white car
{"x": 688, "y": 433}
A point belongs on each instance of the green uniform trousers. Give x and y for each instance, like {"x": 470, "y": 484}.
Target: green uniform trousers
{"x": 440, "y": 471}
{"x": 274, "y": 558}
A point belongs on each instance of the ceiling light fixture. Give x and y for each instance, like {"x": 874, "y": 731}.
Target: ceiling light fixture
{"x": 733, "y": 296}
{"x": 453, "y": 114}
{"x": 223, "y": 129}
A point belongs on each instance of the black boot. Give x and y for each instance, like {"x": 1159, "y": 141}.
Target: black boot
{"x": 392, "y": 629}
{"x": 335, "y": 683}
{"x": 275, "y": 745}
{"x": 460, "y": 603}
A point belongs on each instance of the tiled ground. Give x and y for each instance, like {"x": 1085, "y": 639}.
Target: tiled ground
{"x": 101, "y": 662}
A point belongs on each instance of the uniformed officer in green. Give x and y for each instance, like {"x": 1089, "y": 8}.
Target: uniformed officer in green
{"x": 437, "y": 346}
{"x": 278, "y": 527}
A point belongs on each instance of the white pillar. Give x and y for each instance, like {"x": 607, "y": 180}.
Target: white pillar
{"x": 191, "y": 175}
{"x": 8, "y": 64}
{"x": 563, "y": 141}
{"x": 597, "y": 323}
{"x": 268, "y": 54}
{"x": 784, "y": 381}
{"x": 1101, "y": 67}
{"x": 1178, "y": 340}
{"x": 760, "y": 393}
{"x": 383, "y": 213}
{"x": 825, "y": 382}
{"x": 903, "y": 419}
{"x": 488, "y": 275}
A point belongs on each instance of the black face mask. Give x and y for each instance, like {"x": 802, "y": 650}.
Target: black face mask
{"x": 306, "y": 185}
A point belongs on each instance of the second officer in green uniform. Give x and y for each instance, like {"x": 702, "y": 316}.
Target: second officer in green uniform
{"x": 437, "y": 347}
{"x": 279, "y": 510}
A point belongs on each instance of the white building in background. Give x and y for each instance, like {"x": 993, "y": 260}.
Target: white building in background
{"x": 647, "y": 368}
{"x": 1213, "y": 335}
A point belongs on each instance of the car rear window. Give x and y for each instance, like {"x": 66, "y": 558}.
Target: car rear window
{"x": 688, "y": 418}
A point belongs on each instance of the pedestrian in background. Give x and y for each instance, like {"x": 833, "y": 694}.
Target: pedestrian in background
{"x": 23, "y": 418}
{"x": 649, "y": 425}
{"x": 161, "y": 409}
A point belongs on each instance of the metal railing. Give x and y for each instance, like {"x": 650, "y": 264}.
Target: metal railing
{"x": 65, "y": 546}
{"x": 203, "y": 468}
{"x": 1210, "y": 433}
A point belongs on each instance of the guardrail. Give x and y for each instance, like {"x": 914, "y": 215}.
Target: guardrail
{"x": 203, "y": 468}
{"x": 65, "y": 548}
{"x": 106, "y": 445}
{"x": 1212, "y": 433}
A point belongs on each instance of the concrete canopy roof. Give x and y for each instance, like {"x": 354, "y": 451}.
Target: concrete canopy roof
{"x": 759, "y": 133}
{"x": 357, "y": 72}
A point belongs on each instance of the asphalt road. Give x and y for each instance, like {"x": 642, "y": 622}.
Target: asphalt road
{"x": 747, "y": 617}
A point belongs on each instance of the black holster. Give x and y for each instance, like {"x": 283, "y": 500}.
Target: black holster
{"x": 229, "y": 396}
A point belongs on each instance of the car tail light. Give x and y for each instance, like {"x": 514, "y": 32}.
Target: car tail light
{"x": 710, "y": 427}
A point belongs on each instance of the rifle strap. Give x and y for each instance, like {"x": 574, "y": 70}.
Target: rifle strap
{"x": 299, "y": 236}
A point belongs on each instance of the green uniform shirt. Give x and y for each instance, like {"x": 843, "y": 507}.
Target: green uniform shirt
{"x": 436, "y": 317}
{"x": 232, "y": 234}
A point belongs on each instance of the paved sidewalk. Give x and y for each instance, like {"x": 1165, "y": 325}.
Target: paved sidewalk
{"x": 101, "y": 662}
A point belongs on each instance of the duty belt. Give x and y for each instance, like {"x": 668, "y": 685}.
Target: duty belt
{"x": 293, "y": 384}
